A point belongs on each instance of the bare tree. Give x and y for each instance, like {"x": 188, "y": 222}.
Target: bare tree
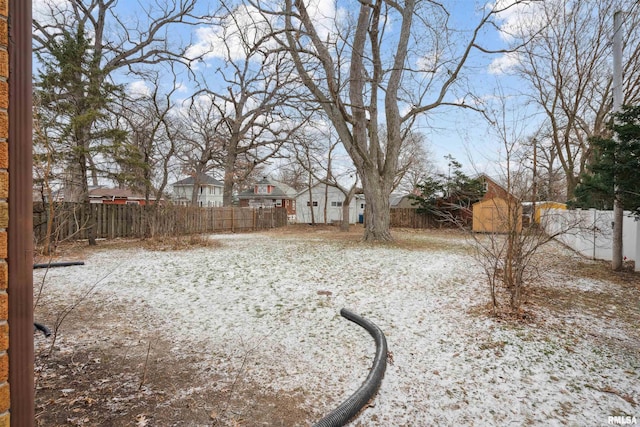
{"x": 567, "y": 67}
{"x": 509, "y": 250}
{"x": 550, "y": 182}
{"x": 316, "y": 151}
{"x": 293, "y": 174}
{"x": 251, "y": 95}
{"x": 414, "y": 163}
{"x": 152, "y": 134}
{"x": 201, "y": 143}
{"x": 353, "y": 66}
{"x": 90, "y": 43}
{"x": 47, "y": 174}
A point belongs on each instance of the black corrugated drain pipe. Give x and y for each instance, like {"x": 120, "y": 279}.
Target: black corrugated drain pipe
{"x": 58, "y": 264}
{"x": 350, "y": 407}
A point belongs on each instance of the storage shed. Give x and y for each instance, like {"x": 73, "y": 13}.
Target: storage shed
{"x": 491, "y": 214}
{"x": 495, "y": 215}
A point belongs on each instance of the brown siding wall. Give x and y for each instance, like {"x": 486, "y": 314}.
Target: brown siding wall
{"x": 494, "y": 191}
{"x": 4, "y": 214}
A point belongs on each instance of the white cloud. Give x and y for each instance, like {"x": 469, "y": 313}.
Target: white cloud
{"x": 181, "y": 87}
{"x": 504, "y": 63}
{"x": 41, "y": 9}
{"x": 429, "y": 62}
{"x": 519, "y": 20}
{"x": 231, "y": 38}
{"x": 138, "y": 89}
{"x": 325, "y": 16}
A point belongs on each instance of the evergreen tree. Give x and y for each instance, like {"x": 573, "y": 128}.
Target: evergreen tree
{"x": 429, "y": 192}
{"x": 448, "y": 196}
{"x": 74, "y": 97}
{"x": 615, "y": 168}
{"x": 83, "y": 47}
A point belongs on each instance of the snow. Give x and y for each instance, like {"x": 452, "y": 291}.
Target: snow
{"x": 252, "y": 303}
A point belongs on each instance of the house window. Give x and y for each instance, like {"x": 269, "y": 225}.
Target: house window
{"x": 262, "y": 189}
{"x": 336, "y": 204}
{"x": 314, "y": 203}
{"x": 485, "y": 186}
{"x": 279, "y": 203}
{"x": 361, "y": 205}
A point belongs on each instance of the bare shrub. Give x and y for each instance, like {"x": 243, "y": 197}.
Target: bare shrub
{"x": 177, "y": 243}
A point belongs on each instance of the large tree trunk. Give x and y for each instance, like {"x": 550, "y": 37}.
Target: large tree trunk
{"x": 377, "y": 214}
{"x": 91, "y": 217}
{"x": 344, "y": 225}
{"x": 229, "y": 166}
{"x": 73, "y": 185}
{"x": 572, "y": 182}
{"x": 194, "y": 193}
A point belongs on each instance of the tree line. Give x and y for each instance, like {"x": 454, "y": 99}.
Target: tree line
{"x": 334, "y": 95}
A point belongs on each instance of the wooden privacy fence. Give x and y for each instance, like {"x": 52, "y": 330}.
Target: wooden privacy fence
{"x": 410, "y": 218}
{"x": 72, "y": 220}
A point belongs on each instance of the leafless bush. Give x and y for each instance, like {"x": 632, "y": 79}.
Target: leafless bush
{"x": 176, "y": 243}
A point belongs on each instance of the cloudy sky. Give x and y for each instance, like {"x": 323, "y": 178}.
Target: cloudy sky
{"x": 459, "y": 132}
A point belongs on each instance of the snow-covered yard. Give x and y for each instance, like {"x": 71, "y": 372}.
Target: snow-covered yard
{"x": 264, "y": 309}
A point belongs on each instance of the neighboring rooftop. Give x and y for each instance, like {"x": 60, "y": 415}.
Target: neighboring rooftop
{"x": 117, "y": 193}
{"x": 280, "y": 189}
{"x": 203, "y": 179}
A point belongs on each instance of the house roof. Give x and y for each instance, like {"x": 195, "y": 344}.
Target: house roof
{"x": 280, "y": 190}
{"x": 494, "y": 181}
{"x": 318, "y": 184}
{"x": 496, "y": 184}
{"x": 203, "y": 179}
{"x": 395, "y": 199}
{"x": 117, "y": 193}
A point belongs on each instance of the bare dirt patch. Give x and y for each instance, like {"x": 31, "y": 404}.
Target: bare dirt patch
{"x": 107, "y": 369}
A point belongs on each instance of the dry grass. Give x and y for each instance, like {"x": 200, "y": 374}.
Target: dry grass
{"x": 77, "y": 250}
{"x": 431, "y": 240}
{"x": 404, "y": 238}
{"x": 178, "y": 243}
{"x": 601, "y": 270}
{"x": 325, "y": 231}
{"x": 545, "y": 296}
{"x": 617, "y": 301}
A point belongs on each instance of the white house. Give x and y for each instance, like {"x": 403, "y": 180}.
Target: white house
{"x": 209, "y": 191}
{"x": 322, "y": 195}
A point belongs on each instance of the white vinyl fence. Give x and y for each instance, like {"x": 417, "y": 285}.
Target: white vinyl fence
{"x": 590, "y": 232}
